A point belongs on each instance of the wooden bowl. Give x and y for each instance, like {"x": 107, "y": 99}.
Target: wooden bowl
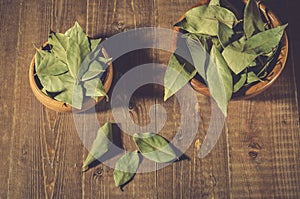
{"x": 59, "y": 106}
{"x": 254, "y": 89}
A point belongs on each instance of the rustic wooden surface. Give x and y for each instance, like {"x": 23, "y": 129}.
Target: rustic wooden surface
{"x": 257, "y": 155}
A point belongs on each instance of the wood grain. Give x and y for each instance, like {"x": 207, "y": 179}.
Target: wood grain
{"x": 9, "y": 39}
{"x": 41, "y": 151}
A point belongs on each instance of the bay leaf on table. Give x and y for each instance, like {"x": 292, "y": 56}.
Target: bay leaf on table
{"x": 126, "y": 168}
{"x": 100, "y": 145}
{"x": 154, "y": 147}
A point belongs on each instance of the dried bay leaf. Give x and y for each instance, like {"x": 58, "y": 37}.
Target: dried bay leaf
{"x": 252, "y": 77}
{"x": 240, "y": 83}
{"x": 100, "y": 145}
{"x": 65, "y": 96}
{"x": 126, "y": 168}
{"x": 77, "y": 97}
{"x": 94, "y": 88}
{"x": 225, "y": 34}
{"x": 79, "y": 48}
{"x": 96, "y": 66}
{"x": 154, "y": 147}
{"x": 264, "y": 42}
{"x": 50, "y": 65}
{"x": 253, "y": 22}
{"x": 176, "y": 76}
{"x": 198, "y": 53}
{"x": 58, "y": 67}
{"x": 74, "y": 58}
{"x": 94, "y": 43}
{"x": 237, "y": 60}
{"x": 39, "y": 56}
{"x": 57, "y": 83}
{"x": 204, "y": 19}
{"x": 219, "y": 80}
{"x": 59, "y": 44}
{"x": 240, "y": 54}
{"x": 214, "y": 3}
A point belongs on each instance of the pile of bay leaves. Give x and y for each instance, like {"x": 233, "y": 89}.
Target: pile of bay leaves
{"x": 239, "y": 50}
{"x": 70, "y": 67}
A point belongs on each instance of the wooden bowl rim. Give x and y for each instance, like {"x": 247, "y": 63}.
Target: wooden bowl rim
{"x": 59, "y": 106}
{"x": 248, "y": 91}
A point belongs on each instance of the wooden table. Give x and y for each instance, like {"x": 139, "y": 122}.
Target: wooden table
{"x": 257, "y": 155}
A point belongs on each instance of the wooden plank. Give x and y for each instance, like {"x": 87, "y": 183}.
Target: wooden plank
{"x": 65, "y": 170}
{"x": 264, "y": 138}
{"x": 257, "y": 155}
{"x": 264, "y": 141}
{"x": 9, "y": 40}
{"x": 196, "y": 178}
{"x": 106, "y": 18}
{"x": 24, "y": 155}
{"x": 42, "y": 156}
{"x": 292, "y": 18}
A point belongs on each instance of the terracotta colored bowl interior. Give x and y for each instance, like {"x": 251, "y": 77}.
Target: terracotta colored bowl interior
{"x": 61, "y": 106}
{"x": 249, "y": 91}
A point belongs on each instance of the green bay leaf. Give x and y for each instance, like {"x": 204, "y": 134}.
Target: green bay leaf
{"x": 65, "y": 96}
{"x": 225, "y": 34}
{"x": 154, "y": 147}
{"x": 252, "y": 77}
{"x": 176, "y": 76}
{"x": 59, "y": 45}
{"x": 237, "y": 60}
{"x": 50, "y": 65}
{"x": 204, "y": 19}
{"x": 77, "y": 99}
{"x": 79, "y": 48}
{"x": 198, "y": 53}
{"x": 95, "y": 67}
{"x": 39, "y": 56}
{"x": 94, "y": 88}
{"x": 219, "y": 80}
{"x": 264, "y": 42}
{"x": 253, "y": 22}
{"x": 126, "y": 168}
{"x": 100, "y": 145}
{"x": 94, "y": 43}
{"x": 74, "y": 58}
{"x": 214, "y": 3}
{"x": 240, "y": 83}
{"x": 57, "y": 83}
